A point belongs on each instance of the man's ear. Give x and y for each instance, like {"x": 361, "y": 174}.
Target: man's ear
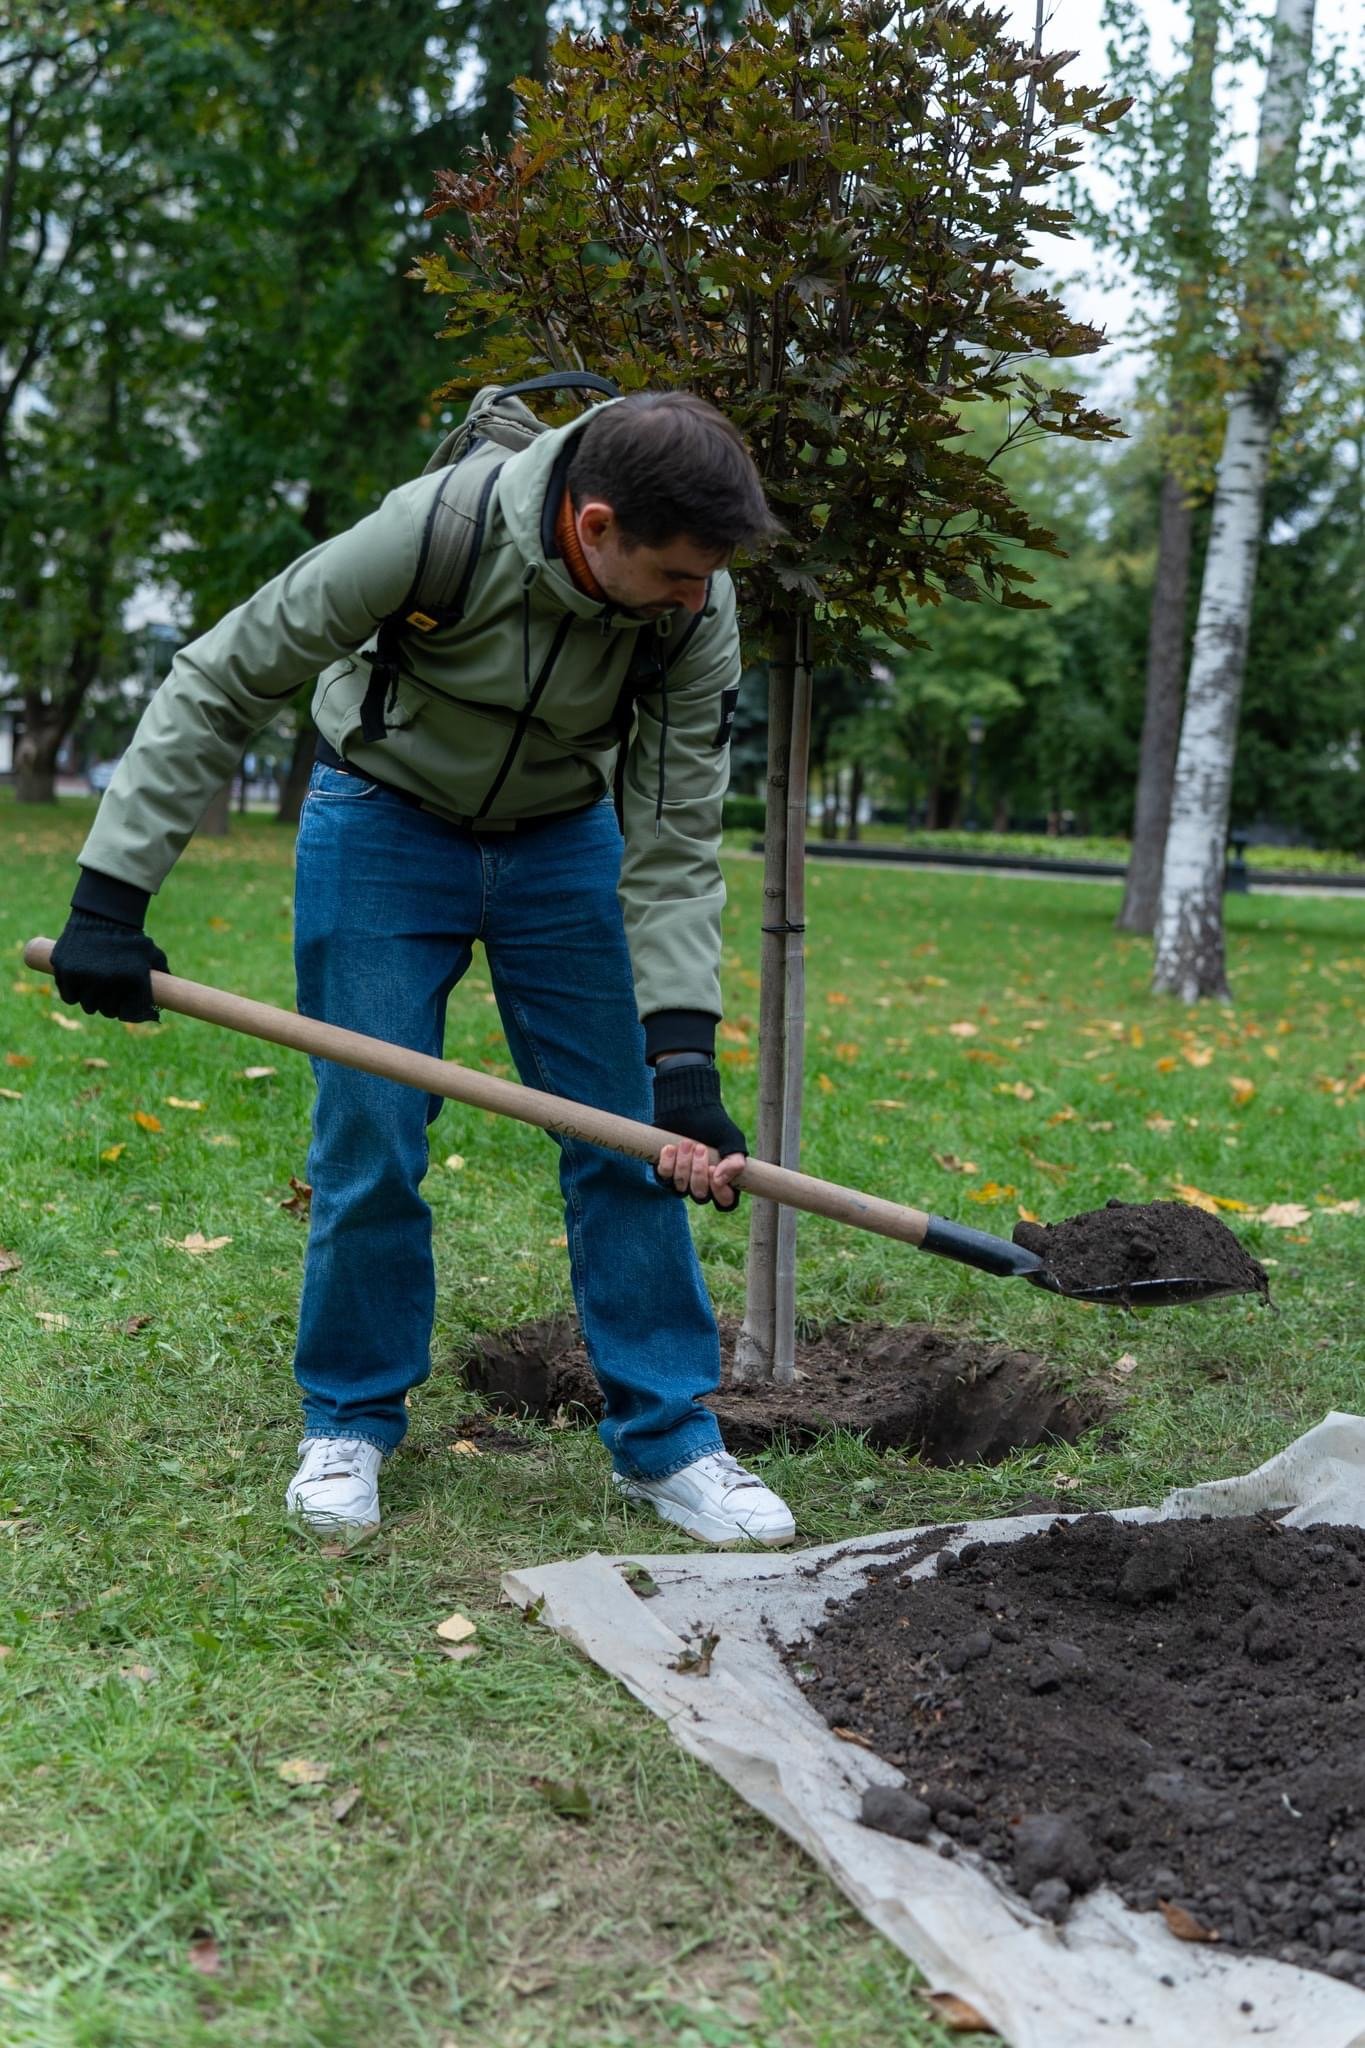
{"x": 595, "y": 522}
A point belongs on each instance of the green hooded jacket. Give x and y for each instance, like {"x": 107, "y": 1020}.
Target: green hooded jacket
{"x": 515, "y": 712}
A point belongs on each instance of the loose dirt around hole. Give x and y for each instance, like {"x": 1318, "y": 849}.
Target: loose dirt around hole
{"x": 1175, "y": 1709}
{"x": 905, "y": 1387}
{"x": 1127, "y": 1242}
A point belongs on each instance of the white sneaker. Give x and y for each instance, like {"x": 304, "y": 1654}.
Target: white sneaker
{"x": 337, "y": 1483}
{"x": 715, "y": 1500}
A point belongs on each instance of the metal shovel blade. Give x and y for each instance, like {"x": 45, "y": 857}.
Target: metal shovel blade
{"x": 1171, "y": 1293}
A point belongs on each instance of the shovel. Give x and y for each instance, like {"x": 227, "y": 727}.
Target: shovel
{"x": 565, "y": 1119}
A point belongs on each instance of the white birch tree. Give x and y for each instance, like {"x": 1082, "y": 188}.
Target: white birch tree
{"x": 1190, "y": 958}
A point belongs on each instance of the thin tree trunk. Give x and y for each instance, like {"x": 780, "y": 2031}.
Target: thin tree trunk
{"x": 296, "y": 780}
{"x": 1161, "y": 714}
{"x": 1193, "y": 252}
{"x": 855, "y": 801}
{"x": 1189, "y": 940}
{"x": 35, "y": 760}
{"x": 754, "y": 1347}
{"x": 217, "y": 818}
{"x": 798, "y": 791}
{"x": 829, "y": 800}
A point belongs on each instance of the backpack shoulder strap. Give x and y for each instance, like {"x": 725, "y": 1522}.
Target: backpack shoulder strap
{"x": 448, "y": 555}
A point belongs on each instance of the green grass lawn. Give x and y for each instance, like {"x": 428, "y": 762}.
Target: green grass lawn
{"x": 170, "y": 1644}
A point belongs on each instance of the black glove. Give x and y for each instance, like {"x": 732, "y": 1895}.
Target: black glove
{"x": 106, "y": 967}
{"x": 687, "y": 1100}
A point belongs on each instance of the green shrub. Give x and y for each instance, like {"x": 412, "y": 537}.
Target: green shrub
{"x": 744, "y": 814}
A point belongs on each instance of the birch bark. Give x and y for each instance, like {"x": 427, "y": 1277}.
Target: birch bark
{"x": 1191, "y": 247}
{"x": 1190, "y": 960}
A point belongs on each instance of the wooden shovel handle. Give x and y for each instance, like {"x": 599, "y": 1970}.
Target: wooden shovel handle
{"x": 552, "y": 1113}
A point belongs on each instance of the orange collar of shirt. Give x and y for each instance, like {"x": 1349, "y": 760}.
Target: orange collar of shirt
{"x": 575, "y": 561}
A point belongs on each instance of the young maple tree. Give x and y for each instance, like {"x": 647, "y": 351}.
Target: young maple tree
{"x": 821, "y": 227}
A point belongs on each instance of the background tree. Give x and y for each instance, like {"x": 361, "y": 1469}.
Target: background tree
{"x": 1162, "y": 222}
{"x": 241, "y": 186}
{"x": 1189, "y": 959}
{"x": 821, "y": 229}
{"x": 91, "y": 225}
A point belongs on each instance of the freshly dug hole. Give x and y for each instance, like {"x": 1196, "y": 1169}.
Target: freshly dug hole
{"x": 1125, "y": 1242}
{"x": 1174, "y": 1709}
{"x": 907, "y": 1387}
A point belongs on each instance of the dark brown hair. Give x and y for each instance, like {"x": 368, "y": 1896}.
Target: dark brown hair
{"x": 670, "y": 465}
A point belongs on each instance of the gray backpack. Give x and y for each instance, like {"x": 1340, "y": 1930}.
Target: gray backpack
{"x": 496, "y": 426}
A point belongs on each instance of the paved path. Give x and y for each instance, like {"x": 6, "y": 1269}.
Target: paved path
{"x": 1044, "y": 873}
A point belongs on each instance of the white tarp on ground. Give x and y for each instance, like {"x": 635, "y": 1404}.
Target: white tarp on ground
{"x": 1110, "y": 1974}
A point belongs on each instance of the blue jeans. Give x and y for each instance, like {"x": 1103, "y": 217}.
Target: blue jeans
{"x": 389, "y": 902}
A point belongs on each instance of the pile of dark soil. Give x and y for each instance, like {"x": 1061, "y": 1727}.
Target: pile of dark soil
{"x": 1126, "y": 1242}
{"x": 908, "y": 1387}
{"x": 1174, "y": 1709}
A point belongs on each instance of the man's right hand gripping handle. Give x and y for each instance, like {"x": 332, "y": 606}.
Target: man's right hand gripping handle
{"x": 103, "y": 960}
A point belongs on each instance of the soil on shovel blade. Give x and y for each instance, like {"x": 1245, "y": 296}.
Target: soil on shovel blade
{"x": 1130, "y": 1241}
{"x": 1174, "y": 1709}
{"x": 907, "y": 1387}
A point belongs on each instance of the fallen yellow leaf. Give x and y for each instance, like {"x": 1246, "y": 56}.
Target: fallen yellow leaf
{"x": 1283, "y": 1215}
{"x": 1028, "y": 1215}
{"x": 1167, "y": 1065}
{"x": 1197, "y": 1055}
{"x": 219, "y": 924}
{"x": 465, "y": 1449}
{"x": 993, "y": 1191}
{"x": 456, "y": 1628}
{"x": 178, "y": 1102}
{"x": 11, "y": 1094}
{"x": 145, "y": 1121}
{"x": 18, "y": 1059}
{"x": 454, "y": 1163}
{"x": 1020, "y": 1089}
{"x": 1163, "y": 1124}
{"x": 963, "y": 1030}
{"x": 954, "y": 2014}
{"x": 1136, "y": 1036}
{"x": 847, "y": 1049}
{"x": 1063, "y": 1116}
{"x": 950, "y": 1163}
{"x": 1351, "y": 1208}
{"x": 50, "y": 1321}
{"x": 223, "y": 1138}
{"x": 63, "y": 1022}
{"x": 256, "y": 1073}
{"x": 888, "y": 1103}
{"x": 1242, "y": 1089}
{"x": 825, "y": 1085}
{"x": 301, "y": 1770}
{"x": 95, "y": 1063}
{"x": 196, "y": 1242}
{"x": 113, "y": 1152}
{"x": 1197, "y": 1198}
